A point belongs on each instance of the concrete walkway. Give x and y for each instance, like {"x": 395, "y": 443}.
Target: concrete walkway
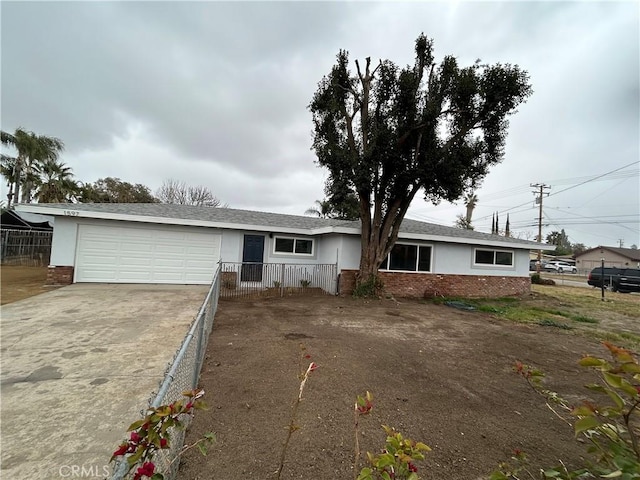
{"x": 77, "y": 366}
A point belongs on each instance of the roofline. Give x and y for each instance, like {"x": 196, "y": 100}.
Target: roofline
{"x": 324, "y": 230}
{"x": 610, "y": 249}
{"x": 158, "y": 220}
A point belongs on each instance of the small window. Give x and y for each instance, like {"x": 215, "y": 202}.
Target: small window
{"x": 284, "y": 245}
{"x": 408, "y": 258}
{"x": 304, "y": 246}
{"x": 504, "y": 258}
{"x": 296, "y": 246}
{"x": 494, "y": 257}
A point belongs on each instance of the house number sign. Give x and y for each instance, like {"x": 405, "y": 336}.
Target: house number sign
{"x": 71, "y": 213}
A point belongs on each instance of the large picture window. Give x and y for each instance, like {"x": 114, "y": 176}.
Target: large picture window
{"x": 502, "y": 258}
{"x": 296, "y": 246}
{"x": 408, "y": 258}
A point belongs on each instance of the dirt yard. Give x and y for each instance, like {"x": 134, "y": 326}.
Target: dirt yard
{"x": 20, "y": 282}
{"x": 439, "y": 375}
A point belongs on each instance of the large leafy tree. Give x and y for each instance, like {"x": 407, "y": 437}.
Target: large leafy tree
{"x": 32, "y": 151}
{"x": 55, "y": 183}
{"x": 388, "y": 133}
{"x": 114, "y": 190}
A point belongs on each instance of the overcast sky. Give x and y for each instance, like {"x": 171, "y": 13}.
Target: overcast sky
{"x": 216, "y": 94}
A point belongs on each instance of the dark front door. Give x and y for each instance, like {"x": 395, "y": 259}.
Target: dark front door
{"x": 252, "y": 255}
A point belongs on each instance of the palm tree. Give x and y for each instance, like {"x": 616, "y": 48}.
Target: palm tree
{"x": 323, "y": 209}
{"x": 32, "y": 150}
{"x": 8, "y": 171}
{"x": 55, "y": 183}
{"x": 470, "y": 201}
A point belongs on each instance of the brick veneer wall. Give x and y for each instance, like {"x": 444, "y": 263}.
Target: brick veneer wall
{"x": 421, "y": 285}
{"x": 59, "y": 275}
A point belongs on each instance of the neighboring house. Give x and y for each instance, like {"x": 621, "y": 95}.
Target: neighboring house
{"x": 613, "y": 257}
{"x": 157, "y": 243}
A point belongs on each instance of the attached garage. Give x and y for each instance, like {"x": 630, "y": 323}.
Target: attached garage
{"x": 132, "y": 253}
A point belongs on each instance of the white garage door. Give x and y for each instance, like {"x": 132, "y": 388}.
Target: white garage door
{"x": 145, "y": 255}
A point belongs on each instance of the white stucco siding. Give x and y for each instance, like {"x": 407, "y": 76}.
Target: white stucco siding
{"x": 448, "y": 258}
{"x": 231, "y": 249}
{"x": 350, "y": 253}
{"x": 330, "y": 249}
{"x": 63, "y": 243}
{"x": 459, "y": 259}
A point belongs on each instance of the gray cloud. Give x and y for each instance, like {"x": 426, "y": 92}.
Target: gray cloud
{"x": 217, "y": 93}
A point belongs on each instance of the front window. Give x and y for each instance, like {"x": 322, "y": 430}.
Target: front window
{"x": 408, "y": 258}
{"x": 295, "y": 246}
{"x": 493, "y": 257}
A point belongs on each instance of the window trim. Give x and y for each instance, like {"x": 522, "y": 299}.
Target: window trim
{"x": 494, "y": 264}
{"x": 418, "y": 245}
{"x": 295, "y": 240}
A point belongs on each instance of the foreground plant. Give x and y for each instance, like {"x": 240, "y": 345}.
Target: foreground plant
{"x": 396, "y": 462}
{"x": 610, "y": 428}
{"x": 152, "y": 434}
{"x": 303, "y": 376}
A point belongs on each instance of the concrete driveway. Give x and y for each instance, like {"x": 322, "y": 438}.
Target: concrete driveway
{"x": 77, "y": 366}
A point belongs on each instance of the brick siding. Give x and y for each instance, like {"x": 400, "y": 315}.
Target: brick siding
{"x": 427, "y": 285}
{"x": 59, "y": 275}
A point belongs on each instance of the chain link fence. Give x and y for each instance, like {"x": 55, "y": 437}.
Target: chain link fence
{"x": 277, "y": 279}
{"x": 25, "y": 247}
{"x": 181, "y": 375}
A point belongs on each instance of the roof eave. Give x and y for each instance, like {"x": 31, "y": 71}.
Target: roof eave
{"x": 157, "y": 220}
{"x": 332, "y": 229}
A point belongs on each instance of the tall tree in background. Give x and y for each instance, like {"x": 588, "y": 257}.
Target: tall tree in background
{"x": 342, "y": 205}
{"x": 114, "y": 190}
{"x": 8, "y": 172}
{"x": 470, "y": 202}
{"x": 322, "y": 209}
{"x": 55, "y": 183}
{"x": 388, "y": 133}
{"x": 179, "y": 193}
{"x": 561, "y": 241}
{"x": 32, "y": 151}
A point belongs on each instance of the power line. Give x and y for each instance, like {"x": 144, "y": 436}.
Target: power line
{"x": 593, "y": 179}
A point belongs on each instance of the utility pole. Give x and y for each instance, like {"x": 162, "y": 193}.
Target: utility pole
{"x": 621, "y": 242}
{"x": 540, "y": 192}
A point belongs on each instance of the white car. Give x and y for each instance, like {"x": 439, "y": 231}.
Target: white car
{"x": 560, "y": 267}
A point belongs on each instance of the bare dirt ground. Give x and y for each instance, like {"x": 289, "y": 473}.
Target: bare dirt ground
{"x": 439, "y": 375}
{"x": 20, "y": 282}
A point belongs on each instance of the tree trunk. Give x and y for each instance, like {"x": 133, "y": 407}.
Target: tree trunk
{"x": 17, "y": 176}
{"x": 26, "y": 191}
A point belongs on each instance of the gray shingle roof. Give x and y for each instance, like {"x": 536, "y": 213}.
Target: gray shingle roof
{"x": 266, "y": 219}
{"x": 630, "y": 253}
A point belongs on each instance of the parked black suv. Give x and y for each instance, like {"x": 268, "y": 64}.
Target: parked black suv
{"x": 595, "y": 277}
{"x": 627, "y": 281}
{"x": 623, "y": 280}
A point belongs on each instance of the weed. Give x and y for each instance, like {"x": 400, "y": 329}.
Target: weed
{"x": 548, "y": 322}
